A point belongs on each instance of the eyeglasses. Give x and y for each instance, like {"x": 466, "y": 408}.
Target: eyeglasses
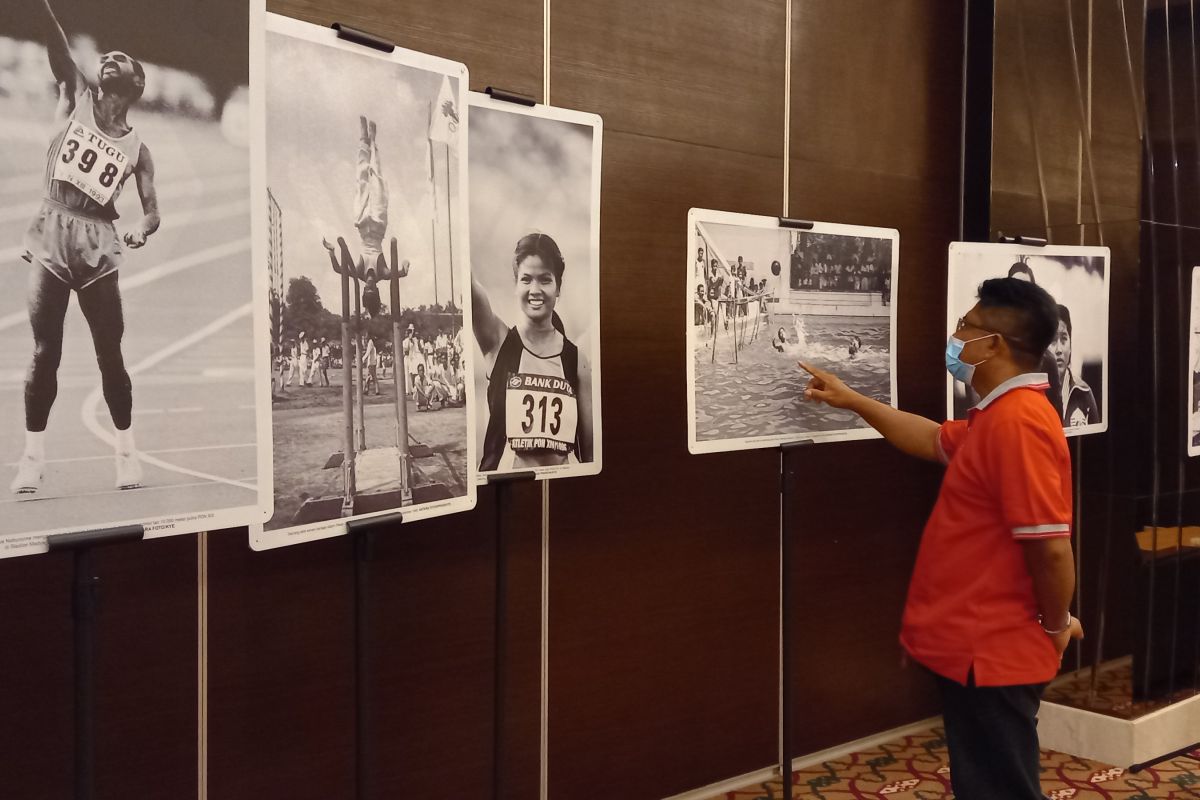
{"x": 964, "y": 323}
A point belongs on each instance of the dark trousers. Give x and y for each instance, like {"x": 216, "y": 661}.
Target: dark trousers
{"x": 991, "y": 732}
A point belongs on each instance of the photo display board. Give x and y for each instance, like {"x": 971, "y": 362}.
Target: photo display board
{"x": 1193, "y": 377}
{"x": 761, "y": 298}
{"x": 535, "y": 284}
{"x": 368, "y": 267}
{"x": 1076, "y": 363}
{"x": 135, "y": 385}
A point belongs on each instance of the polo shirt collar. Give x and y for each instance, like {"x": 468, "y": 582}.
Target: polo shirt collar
{"x": 1026, "y": 380}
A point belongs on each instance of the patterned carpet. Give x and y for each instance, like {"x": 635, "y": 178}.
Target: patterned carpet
{"x": 916, "y": 768}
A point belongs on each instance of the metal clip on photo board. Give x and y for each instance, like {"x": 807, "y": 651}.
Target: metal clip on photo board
{"x": 85, "y": 598}
{"x": 1027, "y": 241}
{"x": 363, "y": 37}
{"x": 796, "y": 224}
{"x": 510, "y": 97}
{"x": 786, "y": 525}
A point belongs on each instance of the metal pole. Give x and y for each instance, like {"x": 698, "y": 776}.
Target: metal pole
{"x": 449, "y": 223}
{"x": 358, "y": 366}
{"x": 399, "y": 371}
{"x": 347, "y": 400}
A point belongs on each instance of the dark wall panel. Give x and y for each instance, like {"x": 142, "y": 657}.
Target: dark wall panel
{"x": 36, "y": 671}
{"x": 664, "y": 590}
{"x": 875, "y": 134}
{"x": 145, "y": 672}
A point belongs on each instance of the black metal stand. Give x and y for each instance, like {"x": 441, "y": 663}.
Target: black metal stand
{"x": 510, "y": 97}
{"x": 786, "y": 722}
{"x": 1185, "y": 752}
{"x": 362, "y": 534}
{"x": 500, "y": 634}
{"x": 85, "y": 597}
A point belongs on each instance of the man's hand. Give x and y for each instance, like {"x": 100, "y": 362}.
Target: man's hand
{"x": 825, "y": 387}
{"x": 135, "y": 239}
{"x": 1061, "y": 640}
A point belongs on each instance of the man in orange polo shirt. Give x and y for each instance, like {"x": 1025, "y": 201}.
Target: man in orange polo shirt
{"x": 988, "y": 610}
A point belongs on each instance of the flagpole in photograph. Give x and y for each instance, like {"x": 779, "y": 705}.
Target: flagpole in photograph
{"x": 433, "y": 191}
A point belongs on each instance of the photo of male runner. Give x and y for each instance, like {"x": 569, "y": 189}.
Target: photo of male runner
{"x": 74, "y": 245}
{"x": 135, "y": 375}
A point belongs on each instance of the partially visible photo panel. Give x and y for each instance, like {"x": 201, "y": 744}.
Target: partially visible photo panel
{"x": 1192, "y": 379}
{"x": 1076, "y": 363}
{"x": 535, "y": 285}
{"x": 368, "y": 253}
{"x": 134, "y": 385}
{"x": 760, "y": 299}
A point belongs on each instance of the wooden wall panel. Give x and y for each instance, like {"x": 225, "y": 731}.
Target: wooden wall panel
{"x": 875, "y": 134}
{"x": 36, "y": 671}
{"x": 664, "y": 592}
{"x": 145, "y": 673}
{"x": 281, "y": 693}
{"x": 499, "y": 41}
{"x": 664, "y": 595}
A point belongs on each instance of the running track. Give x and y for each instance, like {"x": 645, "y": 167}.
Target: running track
{"x": 188, "y": 343}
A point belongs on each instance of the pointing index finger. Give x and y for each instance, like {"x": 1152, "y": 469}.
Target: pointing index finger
{"x": 811, "y": 370}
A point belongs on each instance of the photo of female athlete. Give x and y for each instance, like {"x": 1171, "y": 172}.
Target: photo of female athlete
{"x": 535, "y": 288}
{"x": 539, "y": 384}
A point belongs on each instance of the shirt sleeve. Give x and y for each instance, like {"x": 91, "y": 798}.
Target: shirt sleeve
{"x": 950, "y": 437}
{"x": 1033, "y": 473}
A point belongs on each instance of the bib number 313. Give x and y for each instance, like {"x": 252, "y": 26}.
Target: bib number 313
{"x": 540, "y": 414}
{"x": 90, "y": 163}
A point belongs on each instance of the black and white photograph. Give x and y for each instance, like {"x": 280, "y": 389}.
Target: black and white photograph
{"x": 535, "y": 285}
{"x": 132, "y": 374}
{"x": 372, "y": 401}
{"x": 1076, "y": 363}
{"x": 761, "y": 299}
{"x": 1192, "y": 381}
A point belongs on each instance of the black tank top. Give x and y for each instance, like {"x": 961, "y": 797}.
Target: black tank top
{"x": 508, "y": 363}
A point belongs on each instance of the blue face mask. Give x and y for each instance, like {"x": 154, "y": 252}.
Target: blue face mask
{"x": 960, "y": 369}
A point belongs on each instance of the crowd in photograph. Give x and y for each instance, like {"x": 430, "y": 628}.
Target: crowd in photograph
{"x": 732, "y": 287}
{"x": 432, "y": 362}
{"x": 828, "y": 263}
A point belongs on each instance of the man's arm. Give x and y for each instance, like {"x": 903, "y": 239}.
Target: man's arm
{"x": 1051, "y": 565}
{"x": 144, "y": 174}
{"x": 909, "y": 433}
{"x": 66, "y": 72}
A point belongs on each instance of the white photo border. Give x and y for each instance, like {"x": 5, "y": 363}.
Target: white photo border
{"x": 1014, "y": 250}
{"x": 702, "y": 215}
{"x": 35, "y": 542}
{"x": 261, "y": 539}
{"x": 555, "y": 113}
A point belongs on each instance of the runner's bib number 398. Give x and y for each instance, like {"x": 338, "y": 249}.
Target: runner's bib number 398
{"x": 91, "y": 163}
{"x": 540, "y": 413}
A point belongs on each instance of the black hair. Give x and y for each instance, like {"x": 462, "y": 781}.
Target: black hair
{"x": 1034, "y": 309}
{"x": 1064, "y": 316}
{"x": 545, "y": 248}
